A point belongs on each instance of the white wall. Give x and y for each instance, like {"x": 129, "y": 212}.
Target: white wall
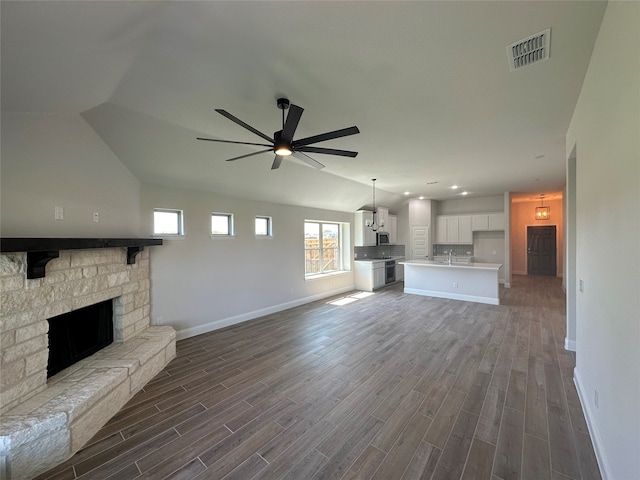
{"x": 58, "y": 160}
{"x": 462, "y": 206}
{"x": 200, "y": 284}
{"x": 484, "y": 244}
{"x": 605, "y": 132}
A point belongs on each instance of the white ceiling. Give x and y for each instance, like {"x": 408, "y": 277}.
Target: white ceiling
{"x": 427, "y": 83}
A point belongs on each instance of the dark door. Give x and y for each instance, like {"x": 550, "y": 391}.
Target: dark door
{"x": 541, "y": 250}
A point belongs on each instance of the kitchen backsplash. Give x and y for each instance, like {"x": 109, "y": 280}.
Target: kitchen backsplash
{"x": 379, "y": 251}
{"x": 440, "y": 250}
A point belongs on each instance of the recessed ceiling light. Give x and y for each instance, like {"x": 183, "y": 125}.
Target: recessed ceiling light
{"x": 454, "y": 187}
{"x": 406, "y": 193}
{"x": 420, "y": 197}
{"x": 464, "y": 193}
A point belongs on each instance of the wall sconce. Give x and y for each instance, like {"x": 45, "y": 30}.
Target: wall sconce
{"x": 542, "y": 212}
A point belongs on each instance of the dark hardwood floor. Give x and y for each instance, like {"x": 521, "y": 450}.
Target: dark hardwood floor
{"x": 390, "y": 386}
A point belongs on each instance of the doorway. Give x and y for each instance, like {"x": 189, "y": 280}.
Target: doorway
{"x": 541, "y": 250}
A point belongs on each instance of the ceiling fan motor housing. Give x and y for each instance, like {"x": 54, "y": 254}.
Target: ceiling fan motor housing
{"x": 283, "y": 103}
{"x": 280, "y": 147}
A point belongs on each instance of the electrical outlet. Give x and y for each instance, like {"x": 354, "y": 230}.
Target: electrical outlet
{"x": 595, "y": 398}
{"x": 495, "y": 253}
{"x": 581, "y": 286}
{"x": 455, "y": 284}
{"x": 58, "y": 213}
{"x": 96, "y": 217}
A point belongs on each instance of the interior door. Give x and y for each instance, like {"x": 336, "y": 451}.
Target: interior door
{"x": 541, "y": 250}
{"x": 419, "y": 241}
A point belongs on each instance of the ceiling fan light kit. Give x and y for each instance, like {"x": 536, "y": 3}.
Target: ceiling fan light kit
{"x": 283, "y": 144}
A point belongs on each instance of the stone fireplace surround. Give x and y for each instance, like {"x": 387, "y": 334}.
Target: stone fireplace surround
{"x": 45, "y": 421}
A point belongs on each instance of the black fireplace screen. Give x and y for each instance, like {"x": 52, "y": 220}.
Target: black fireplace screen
{"x": 79, "y": 334}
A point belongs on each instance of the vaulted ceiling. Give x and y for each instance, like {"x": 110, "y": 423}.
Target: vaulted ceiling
{"x": 427, "y": 83}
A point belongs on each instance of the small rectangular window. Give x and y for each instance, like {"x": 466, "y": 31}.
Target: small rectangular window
{"x": 167, "y": 222}
{"x": 263, "y": 226}
{"x": 222, "y": 224}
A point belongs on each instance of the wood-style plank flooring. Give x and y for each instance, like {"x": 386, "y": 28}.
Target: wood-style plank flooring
{"x": 391, "y": 386}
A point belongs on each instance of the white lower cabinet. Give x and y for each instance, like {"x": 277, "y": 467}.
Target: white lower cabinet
{"x": 378, "y": 275}
{"x": 369, "y": 275}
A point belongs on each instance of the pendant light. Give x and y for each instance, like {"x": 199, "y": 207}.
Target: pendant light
{"x": 372, "y": 223}
{"x": 542, "y": 212}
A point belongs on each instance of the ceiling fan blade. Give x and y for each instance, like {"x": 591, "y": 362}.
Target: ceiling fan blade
{"x": 308, "y": 160}
{"x": 293, "y": 117}
{"x": 327, "y": 151}
{"x": 344, "y": 132}
{"x": 229, "y": 141}
{"x": 276, "y": 162}
{"x": 249, "y": 155}
{"x": 244, "y": 125}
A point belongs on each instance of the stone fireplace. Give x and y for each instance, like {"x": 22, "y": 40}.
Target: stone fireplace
{"x": 46, "y": 420}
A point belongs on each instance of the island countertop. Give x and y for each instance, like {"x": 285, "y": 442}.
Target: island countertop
{"x": 434, "y": 263}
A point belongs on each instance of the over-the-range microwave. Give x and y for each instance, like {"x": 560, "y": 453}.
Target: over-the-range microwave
{"x": 382, "y": 238}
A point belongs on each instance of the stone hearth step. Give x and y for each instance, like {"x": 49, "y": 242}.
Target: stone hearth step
{"x": 57, "y": 422}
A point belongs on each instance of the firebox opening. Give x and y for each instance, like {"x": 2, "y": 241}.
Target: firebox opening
{"x": 79, "y": 334}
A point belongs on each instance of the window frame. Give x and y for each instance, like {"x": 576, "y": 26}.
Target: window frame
{"x": 180, "y": 221}
{"x": 230, "y": 225}
{"x": 343, "y": 261}
{"x": 269, "y": 220}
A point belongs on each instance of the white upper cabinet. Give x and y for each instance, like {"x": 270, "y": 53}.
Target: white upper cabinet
{"x": 392, "y": 228}
{"x": 489, "y": 221}
{"x": 454, "y": 229}
{"x": 465, "y": 235}
{"x": 365, "y": 237}
{"x": 382, "y": 218}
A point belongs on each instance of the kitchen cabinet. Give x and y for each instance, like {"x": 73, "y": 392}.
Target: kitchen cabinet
{"x": 465, "y": 235}
{"x": 488, "y": 222}
{"x": 382, "y": 217}
{"x": 454, "y": 229}
{"x": 369, "y": 275}
{"x": 392, "y": 228}
{"x": 378, "y": 275}
{"x": 364, "y": 236}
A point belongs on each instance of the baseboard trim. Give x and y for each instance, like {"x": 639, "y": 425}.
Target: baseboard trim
{"x": 244, "y": 317}
{"x": 596, "y": 440}
{"x": 569, "y": 344}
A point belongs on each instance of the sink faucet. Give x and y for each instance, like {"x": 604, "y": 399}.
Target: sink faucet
{"x": 451, "y": 252}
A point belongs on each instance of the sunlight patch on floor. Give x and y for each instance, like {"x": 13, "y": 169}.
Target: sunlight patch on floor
{"x": 350, "y": 299}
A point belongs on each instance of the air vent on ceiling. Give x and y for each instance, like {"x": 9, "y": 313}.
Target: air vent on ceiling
{"x": 529, "y": 50}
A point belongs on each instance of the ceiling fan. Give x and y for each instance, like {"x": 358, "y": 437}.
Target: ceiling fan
{"x": 283, "y": 144}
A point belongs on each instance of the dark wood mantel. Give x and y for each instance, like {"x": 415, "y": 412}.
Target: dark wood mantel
{"x": 41, "y": 250}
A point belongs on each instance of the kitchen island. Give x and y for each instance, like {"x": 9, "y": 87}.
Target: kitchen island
{"x": 472, "y": 282}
